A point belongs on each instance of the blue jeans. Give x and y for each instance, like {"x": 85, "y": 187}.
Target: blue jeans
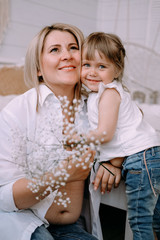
{"x": 156, "y": 219}
{"x": 62, "y": 232}
{"x": 41, "y": 233}
{"x": 140, "y": 198}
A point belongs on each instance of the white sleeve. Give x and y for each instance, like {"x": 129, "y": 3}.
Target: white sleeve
{"x": 9, "y": 171}
{"x": 40, "y": 209}
{"x": 6, "y": 198}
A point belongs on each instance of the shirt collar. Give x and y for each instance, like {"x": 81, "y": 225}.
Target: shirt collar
{"x": 44, "y": 93}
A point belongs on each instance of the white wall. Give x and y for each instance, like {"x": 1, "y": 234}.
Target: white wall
{"x": 136, "y": 21}
{"x": 27, "y": 17}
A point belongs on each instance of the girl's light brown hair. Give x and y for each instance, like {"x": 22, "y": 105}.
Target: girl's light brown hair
{"x": 109, "y": 45}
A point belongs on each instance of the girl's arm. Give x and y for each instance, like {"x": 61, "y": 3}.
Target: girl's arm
{"x": 107, "y": 117}
{"x": 117, "y": 162}
{"x": 107, "y": 121}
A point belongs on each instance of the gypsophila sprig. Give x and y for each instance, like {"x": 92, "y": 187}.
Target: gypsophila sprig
{"x": 44, "y": 155}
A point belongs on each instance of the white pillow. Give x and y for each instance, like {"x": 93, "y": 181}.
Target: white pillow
{"x": 4, "y": 100}
{"x": 151, "y": 114}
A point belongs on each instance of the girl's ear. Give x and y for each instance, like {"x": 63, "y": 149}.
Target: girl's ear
{"x": 117, "y": 73}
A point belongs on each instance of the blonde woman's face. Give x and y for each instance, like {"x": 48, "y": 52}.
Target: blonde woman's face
{"x": 97, "y": 70}
{"x": 60, "y": 61}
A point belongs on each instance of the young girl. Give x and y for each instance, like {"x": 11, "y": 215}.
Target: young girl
{"x": 119, "y": 125}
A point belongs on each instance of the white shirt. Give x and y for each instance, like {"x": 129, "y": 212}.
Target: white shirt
{"x": 21, "y": 114}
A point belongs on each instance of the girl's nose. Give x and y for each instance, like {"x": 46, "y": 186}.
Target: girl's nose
{"x": 93, "y": 72}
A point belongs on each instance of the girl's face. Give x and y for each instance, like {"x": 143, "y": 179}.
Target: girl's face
{"x": 60, "y": 62}
{"x": 98, "y": 70}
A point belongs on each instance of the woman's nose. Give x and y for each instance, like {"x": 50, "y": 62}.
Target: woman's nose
{"x": 66, "y": 54}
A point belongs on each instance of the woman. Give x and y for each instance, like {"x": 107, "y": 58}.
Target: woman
{"x": 29, "y": 185}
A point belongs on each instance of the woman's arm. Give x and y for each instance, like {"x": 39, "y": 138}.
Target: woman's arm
{"x": 25, "y": 198}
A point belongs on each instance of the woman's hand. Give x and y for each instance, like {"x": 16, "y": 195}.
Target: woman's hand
{"x": 80, "y": 172}
{"x": 25, "y": 198}
{"x": 107, "y": 179}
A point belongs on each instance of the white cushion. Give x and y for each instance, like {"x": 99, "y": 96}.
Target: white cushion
{"x": 151, "y": 114}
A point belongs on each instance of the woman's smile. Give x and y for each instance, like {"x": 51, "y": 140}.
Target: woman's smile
{"x": 68, "y": 68}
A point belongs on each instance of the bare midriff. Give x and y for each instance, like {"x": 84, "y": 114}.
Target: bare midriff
{"x": 58, "y": 214}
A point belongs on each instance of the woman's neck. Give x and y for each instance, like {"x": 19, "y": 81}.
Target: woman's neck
{"x": 69, "y": 92}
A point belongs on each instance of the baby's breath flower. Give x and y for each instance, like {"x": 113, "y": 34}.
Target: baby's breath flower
{"x": 72, "y": 119}
{"x": 74, "y": 101}
{"x": 92, "y": 138}
{"x": 42, "y": 157}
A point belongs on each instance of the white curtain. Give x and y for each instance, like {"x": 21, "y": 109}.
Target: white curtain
{"x": 4, "y": 17}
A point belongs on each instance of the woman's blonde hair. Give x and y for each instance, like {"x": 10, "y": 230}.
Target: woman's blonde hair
{"x": 32, "y": 60}
{"x": 109, "y": 45}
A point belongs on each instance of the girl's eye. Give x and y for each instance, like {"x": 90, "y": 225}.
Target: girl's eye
{"x": 101, "y": 66}
{"x": 87, "y": 65}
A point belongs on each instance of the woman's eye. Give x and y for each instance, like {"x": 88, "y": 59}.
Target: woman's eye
{"x": 74, "y": 48}
{"x": 54, "y": 50}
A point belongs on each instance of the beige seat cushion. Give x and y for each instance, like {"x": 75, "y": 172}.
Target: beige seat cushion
{"x": 12, "y": 80}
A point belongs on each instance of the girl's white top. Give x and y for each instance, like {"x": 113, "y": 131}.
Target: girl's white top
{"x": 133, "y": 134}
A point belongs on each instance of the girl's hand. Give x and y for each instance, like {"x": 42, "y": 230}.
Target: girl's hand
{"x": 72, "y": 140}
{"x": 106, "y": 179}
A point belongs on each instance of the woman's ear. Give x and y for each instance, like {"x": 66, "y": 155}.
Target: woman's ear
{"x": 39, "y": 74}
{"x": 40, "y": 77}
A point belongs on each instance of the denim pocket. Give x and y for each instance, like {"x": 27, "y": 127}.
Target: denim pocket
{"x": 155, "y": 178}
{"x": 133, "y": 180}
